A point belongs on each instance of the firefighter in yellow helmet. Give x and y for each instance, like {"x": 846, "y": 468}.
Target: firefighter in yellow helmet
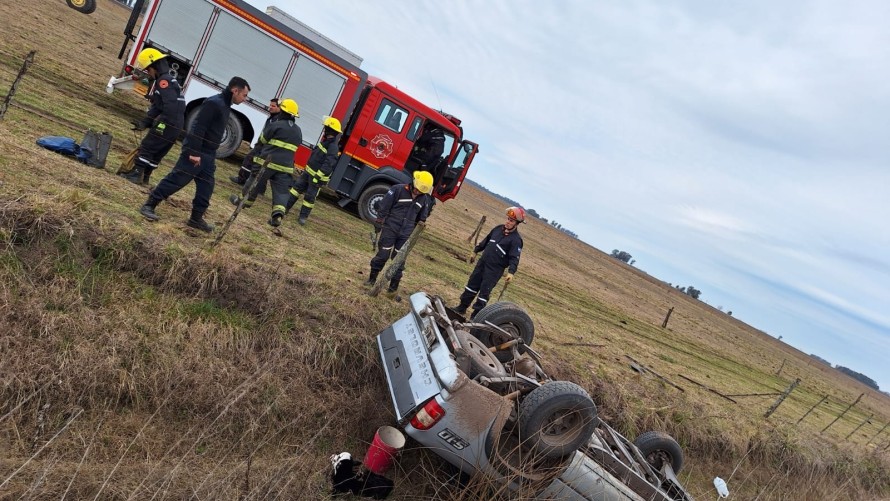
{"x": 500, "y": 251}
{"x": 318, "y": 170}
{"x": 400, "y": 210}
{"x": 278, "y": 143}
{"x": 164, "y": 119}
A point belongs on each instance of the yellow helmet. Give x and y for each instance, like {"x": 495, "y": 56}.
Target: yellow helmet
{"x": 290, "y": 107}
{"x": 147, "y": 57}
{"x": 423, "y": 181}
{"x": 332, "y": 123}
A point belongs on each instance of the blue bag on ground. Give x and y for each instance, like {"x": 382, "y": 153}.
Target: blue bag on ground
{"x": 66, "y": 146}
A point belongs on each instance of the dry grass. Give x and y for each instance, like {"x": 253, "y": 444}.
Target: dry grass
{"x": 135, "y": 363}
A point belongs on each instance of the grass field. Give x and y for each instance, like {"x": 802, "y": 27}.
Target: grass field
{"x": 136, "y": 362}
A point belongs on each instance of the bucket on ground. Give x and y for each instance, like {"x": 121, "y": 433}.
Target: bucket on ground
{"x": 387, "y": 443}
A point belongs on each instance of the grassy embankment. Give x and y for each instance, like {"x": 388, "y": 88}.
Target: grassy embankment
{"x": 136, "y": 362}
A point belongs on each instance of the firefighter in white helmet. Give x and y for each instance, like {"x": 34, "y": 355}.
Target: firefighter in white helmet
{"x": 500, "y": 251}
{"x": 400, "y": 210}
{"x": 318, "y": 170}
{"x": 164, "y": 119}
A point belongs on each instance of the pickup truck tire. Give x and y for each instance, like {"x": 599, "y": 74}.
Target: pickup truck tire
{"x": 658, "y": 447}
{"x": 84, "y": 6}
{"x": 481, "y": 361}
{"x": 510, "y": 317}
{"x": 368, "y": 200}
{"x": 556, "y": 418}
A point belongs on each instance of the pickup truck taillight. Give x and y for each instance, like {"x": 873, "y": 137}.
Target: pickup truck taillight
{"x": 428, "y": 415}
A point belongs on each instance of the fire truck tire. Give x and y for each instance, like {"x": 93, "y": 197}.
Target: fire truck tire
{"x": 658, "y": 447}
{"x": 555, "y": 419}
{"x": 510, "y": 317}
{"x": 368, "y": 200}
{"x": 84, "y": 6}
{"x": 232, "y": 136}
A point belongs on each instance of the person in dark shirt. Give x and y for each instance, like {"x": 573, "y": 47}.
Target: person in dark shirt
{"x": 318, "y": 170}
{"x": 401, "y": 209}
{"x": 500, "y": 251}
{"x": 164, "y": 118}
{"x": 198, "y": 158}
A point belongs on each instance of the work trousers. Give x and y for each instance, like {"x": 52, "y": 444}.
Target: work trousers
{"x": 153, "y": 148}
{"x": 183, "y": 172}
{"x": 388, "y": 247}
{"x": 303, "y": 185}
{"x": 484, "y": 278}
{"x": 280, "y": 182}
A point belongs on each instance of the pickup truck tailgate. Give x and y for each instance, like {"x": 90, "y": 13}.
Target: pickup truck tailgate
{"x": 405, "y": 356}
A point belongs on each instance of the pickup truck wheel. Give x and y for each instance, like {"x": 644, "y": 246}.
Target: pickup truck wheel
{"x": 481, "y": 361}
{"x": 367, "y": 202}
{"x": 84, "y": 6}
{"x": 556, "y": 419}
{"x": 510, "y": 317}
{"x": 658, "y": 447}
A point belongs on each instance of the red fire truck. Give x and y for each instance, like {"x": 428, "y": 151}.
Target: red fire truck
{"x": 209, "y": 41}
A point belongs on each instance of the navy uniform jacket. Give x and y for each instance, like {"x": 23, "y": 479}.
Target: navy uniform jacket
{"x": 400, "y": 213}
{"x": 167, "y": 103}
{"x": 323, "y": 158}
{"x": 207, "y": 130}
{"x": 501, "y": 250}
{"x": 279, "y": 141}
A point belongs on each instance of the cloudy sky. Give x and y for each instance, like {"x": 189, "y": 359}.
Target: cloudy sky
{"x": 739, "y": 147}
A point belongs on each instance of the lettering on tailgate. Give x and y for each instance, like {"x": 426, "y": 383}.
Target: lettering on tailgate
{"x": 453, "y": 439}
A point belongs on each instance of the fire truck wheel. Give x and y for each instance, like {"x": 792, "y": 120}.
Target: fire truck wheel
{"x": 85, "y": 6}
{"x": 232, "y": 137}
{"x": 367, "y": 202}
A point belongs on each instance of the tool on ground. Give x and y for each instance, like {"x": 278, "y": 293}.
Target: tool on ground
{"x": 240, "y": 205}
{"x": 398, "y": 262}
{"x": 475, "y": 237}
{"x": 503, "y": 290}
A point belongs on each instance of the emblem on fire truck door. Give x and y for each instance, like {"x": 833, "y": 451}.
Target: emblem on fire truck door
{"x": 381, "y": 146}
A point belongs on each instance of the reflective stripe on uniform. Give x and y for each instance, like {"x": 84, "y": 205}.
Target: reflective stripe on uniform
{"x": 314, "y": 173}
{"x": 274, "y": 166}
{"x": 294, "y": 192}
{"x": 470, "y": 290}
{"x": 307, "y": 204}
{"x": 279, "y": 209}
{"x": 281, "y": 144}
{"x": 321, "y": 147}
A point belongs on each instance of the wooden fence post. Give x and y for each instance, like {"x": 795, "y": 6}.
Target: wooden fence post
{"x": 28, "y": 60}
{"x": 811, "y": 409}
{"x": 872, "y": 439}
{"x": 781, "y": 367}
{"x": 857, "y": 428}
{"x": 781, "y": 398}
{"x": 477, "y": 230}
{"x": 842, "y": 413}
{"x": 666, "y": 317}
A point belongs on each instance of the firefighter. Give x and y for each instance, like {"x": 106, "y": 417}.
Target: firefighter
{"x": 400, "y": 210}
{"x": 318, "y": 169}
{"x": 429, "y": 148}
{"x": 278, "y": 143}
{"x": 247, "y": 164}
{"x": 164, "y": 118}
{"x": 500, "y": 251}
{"x": 197, "y": 161}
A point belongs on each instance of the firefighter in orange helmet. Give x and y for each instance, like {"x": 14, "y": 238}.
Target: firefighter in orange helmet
{"x": 500, "y": 251}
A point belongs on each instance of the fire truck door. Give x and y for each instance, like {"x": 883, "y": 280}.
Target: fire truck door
{"x": 382, "y": 141}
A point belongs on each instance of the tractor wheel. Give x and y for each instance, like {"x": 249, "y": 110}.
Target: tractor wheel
{"x": 84, "y": 6}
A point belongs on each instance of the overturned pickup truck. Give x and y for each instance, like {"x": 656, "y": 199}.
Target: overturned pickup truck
{"x": 476, "y": 395}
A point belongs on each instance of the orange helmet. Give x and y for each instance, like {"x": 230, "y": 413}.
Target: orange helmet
{"x": 517, "y": 213}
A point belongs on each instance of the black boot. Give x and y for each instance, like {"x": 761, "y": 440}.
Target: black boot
{"x": 148, "y": 209}
{"x": 146, "y": 176}
{"x": 197, "y": 222}
{"x": 372, "y": 278}
{"x": 135, "y": 175}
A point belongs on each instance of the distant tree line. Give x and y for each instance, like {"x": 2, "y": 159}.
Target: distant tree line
{"x": 817, "y": 357}
{"x": 862, "y": 378}
{"x": 623, "y": 256}
{"x": 692, "y": 292}
{"x": 530, "y": 212}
